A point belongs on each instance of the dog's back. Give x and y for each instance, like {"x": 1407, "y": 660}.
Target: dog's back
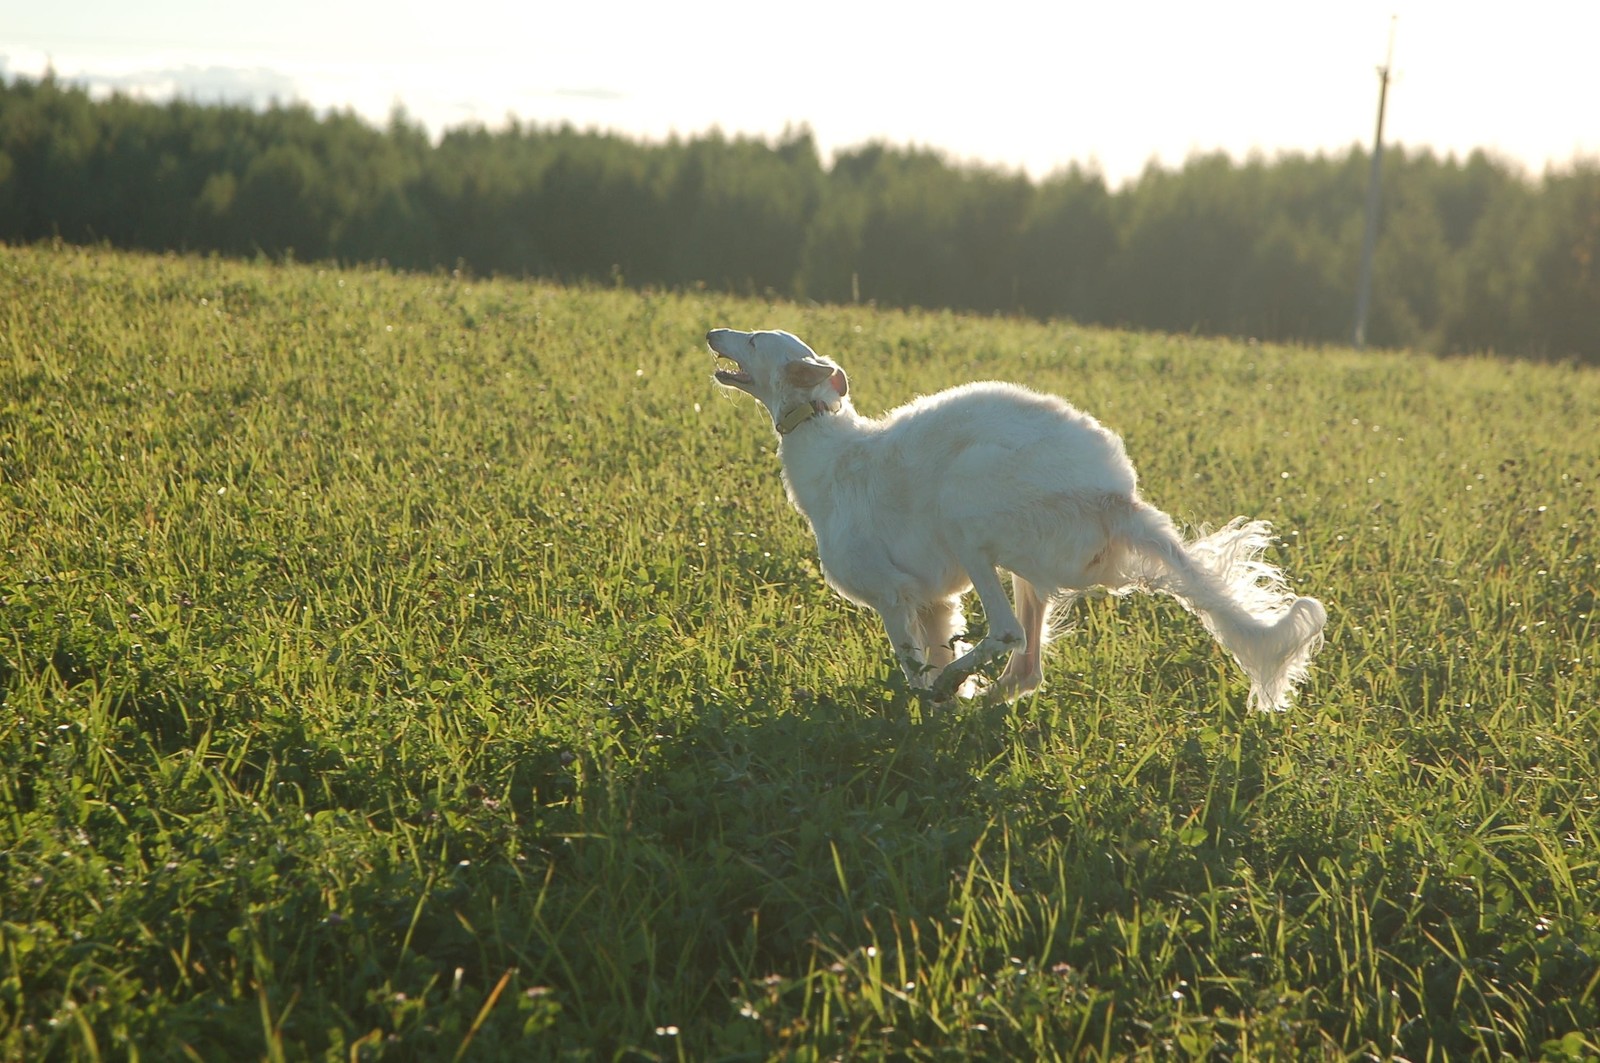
{"x": 1002, "y": 444}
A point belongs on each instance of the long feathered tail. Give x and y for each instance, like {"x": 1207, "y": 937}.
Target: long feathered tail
{"x": 1243, "y": 601}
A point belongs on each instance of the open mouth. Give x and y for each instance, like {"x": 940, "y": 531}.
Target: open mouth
{"x": 730, "y": 371}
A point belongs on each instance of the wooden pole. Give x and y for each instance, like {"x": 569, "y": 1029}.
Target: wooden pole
{"x": 1369, "y": 238}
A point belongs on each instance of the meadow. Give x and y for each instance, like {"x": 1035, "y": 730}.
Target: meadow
{"x": 429, "y": 667}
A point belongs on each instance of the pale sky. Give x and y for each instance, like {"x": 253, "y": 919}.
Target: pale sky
{"x": 1024, "y": 86}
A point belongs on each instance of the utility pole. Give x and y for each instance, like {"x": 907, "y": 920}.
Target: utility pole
{"x": 1369, "y": 238}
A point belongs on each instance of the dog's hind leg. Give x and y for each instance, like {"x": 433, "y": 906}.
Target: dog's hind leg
{"x": 1005, "y": 631}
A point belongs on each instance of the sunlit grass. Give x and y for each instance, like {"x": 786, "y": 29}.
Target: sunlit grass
{"x": 423, "y": 667}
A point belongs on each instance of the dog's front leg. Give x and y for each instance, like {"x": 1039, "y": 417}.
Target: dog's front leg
{"x": 969, "y": 663}
{"x": 942, "y": 628}
{"x": 1005, "y": 633}
{"x": 907, "y": 642}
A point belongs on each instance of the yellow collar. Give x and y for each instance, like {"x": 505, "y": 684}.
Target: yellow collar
{"x": 797, "y": 416}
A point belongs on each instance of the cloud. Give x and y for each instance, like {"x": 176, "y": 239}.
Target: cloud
{"x": 250, "y": 86}
{"x": 590, "y": 94}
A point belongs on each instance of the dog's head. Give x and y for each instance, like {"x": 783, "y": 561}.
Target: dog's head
{"x": 789, "y": 378}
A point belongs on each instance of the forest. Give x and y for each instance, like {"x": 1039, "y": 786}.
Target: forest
{"x": 1472, "y": 255}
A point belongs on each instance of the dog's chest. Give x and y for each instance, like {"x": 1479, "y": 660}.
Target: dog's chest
{"x": 878, "y": 566}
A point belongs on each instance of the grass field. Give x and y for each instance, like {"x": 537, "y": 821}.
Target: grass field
{"x": 407, "y": 667}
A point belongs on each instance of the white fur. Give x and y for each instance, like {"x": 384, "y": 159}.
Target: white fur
{"x": 914, "y": 509}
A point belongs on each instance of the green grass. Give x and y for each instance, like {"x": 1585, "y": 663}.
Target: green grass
{"x": 403, "y": 667}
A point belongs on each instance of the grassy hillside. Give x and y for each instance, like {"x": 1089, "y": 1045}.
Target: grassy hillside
{"x": 418, "y": 667}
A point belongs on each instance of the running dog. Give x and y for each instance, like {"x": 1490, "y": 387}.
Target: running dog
{"x": 939, "y": 496}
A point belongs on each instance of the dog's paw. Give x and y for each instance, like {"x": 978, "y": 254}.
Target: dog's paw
{"x": 953, "y": 683}
{"x": 944, "y": 686}
{"x": 974, "y": 686}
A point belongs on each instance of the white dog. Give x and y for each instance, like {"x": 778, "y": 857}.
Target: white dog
{"x": 913, "y": 510}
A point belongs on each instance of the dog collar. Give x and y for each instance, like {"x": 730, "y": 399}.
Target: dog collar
{"x": 799, "y": 415}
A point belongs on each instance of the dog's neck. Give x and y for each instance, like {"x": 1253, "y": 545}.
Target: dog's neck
{"x": 799, "y": 414}
{"x": 816, "y": 456}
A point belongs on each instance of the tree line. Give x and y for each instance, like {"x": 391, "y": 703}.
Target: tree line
{"x": 1471, "y": 256}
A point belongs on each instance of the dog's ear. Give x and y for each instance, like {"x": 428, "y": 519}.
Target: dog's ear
{"x": 806, "y": 375}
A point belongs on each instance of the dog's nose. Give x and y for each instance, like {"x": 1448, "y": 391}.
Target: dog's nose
{"x": 720, "y": 340}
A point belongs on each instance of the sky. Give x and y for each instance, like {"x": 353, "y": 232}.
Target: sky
{"x": 1031, "y": 87}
